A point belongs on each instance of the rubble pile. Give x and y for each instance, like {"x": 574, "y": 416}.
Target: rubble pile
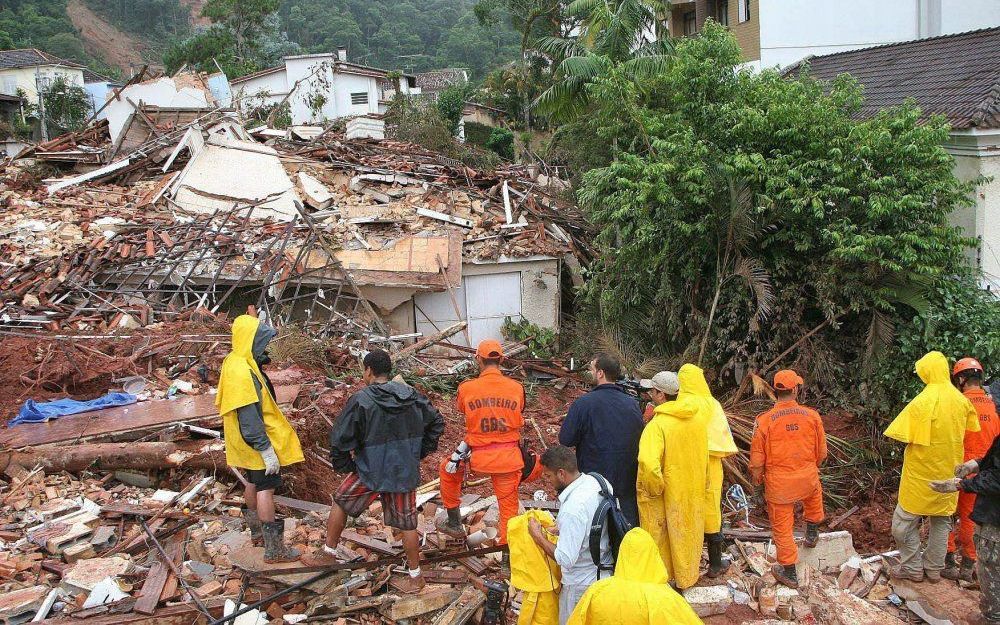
{"x": 195, "y": 213}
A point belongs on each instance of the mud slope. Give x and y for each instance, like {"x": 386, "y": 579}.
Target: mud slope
{"x": 104, "y": 40}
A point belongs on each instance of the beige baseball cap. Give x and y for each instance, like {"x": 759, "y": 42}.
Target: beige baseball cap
{"x": 664, "y": 381}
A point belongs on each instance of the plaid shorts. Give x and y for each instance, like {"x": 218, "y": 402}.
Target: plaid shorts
{"x": 399, "y": 510}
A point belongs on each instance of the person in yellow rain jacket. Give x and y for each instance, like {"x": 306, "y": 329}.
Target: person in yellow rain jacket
{"x": 933, "y": 426}
{"x": 258, "y": 437}
{"x": 673, "y": 468}
{"x": 532, "y": 572}
{"x": 720, "y": 444}
{"x": 637, "y": 594}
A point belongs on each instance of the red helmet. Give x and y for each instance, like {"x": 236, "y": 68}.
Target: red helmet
{"x": 966, "y": 364}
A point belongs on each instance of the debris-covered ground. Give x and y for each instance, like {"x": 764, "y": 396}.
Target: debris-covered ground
{"x": 126, "y": 250}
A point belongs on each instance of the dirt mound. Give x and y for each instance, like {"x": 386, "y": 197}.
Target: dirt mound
{"x": 102, "y": 39}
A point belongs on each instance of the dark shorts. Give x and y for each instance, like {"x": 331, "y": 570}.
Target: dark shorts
{"x": 262, "y": 481}
{"x": 399, "y": 510}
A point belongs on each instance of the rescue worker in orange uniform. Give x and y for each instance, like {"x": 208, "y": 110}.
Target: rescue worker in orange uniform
{"x": 788, "y": 446}
{"x": 967, "y": 375}
{"x": 493, "y": 405}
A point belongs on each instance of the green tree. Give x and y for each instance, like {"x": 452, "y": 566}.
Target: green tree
{"x": 753, "y": 218}
{"x": 66, "y": 107}
{"x": 612, "y": 35}
{"x": 501, "y": 141}
{"x": 450, "y": 103}
{"x": 246, "y": 21}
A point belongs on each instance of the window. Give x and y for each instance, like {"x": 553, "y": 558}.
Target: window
{"x": 360, "y": 97}
{"x": 9, "y": 85}
{"x": 744, "y": 10}
{"x": 722, "y": 12}
{"x": 689, "y": 23}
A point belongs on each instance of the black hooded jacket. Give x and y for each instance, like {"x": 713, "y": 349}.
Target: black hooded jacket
{"x": 388, "y": 428}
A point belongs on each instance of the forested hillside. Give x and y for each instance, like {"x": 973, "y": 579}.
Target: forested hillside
{"x": 413, "y": 35}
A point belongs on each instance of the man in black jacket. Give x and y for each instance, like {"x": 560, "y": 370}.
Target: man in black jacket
{"x": 378, "y": 440}
{"x": 982, "y": 477}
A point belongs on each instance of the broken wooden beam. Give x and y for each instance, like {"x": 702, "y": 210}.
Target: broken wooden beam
{"x": 110, "y": 456}
{"x": 430, "y": 340}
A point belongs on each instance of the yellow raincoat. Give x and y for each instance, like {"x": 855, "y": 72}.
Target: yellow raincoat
{"x": 933, "y": 427}
{"x": 236, "y": 389}
{"x": 671, "y": 484}
{"x": 532, "y": 571}
{"x": 720, "y": 440}
{"x": 637, "y": 594}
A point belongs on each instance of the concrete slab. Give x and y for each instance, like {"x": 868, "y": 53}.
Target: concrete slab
{"x": 832, "y": 550}
{"x": 20, "y": 606}
{"x": 709, "y": 600}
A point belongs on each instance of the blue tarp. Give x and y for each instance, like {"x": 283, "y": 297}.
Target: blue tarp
{"x": 35, "y": 412}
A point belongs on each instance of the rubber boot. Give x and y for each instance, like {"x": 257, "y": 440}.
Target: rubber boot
{"x": 275, "y": 550}
{"x": 253, "y": 522}
{"x": 812, "y": 534}
{"x": 950, "y": 570}
{"x": 968, "y": 571}
{"x": 785, "y": 575}
{"x": 452, "y": 524}
{"x": 717, "y": 564}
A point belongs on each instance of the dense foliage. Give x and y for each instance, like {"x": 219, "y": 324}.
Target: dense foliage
{"x": 404, "y": 34}
{"x": 743, "y": 212}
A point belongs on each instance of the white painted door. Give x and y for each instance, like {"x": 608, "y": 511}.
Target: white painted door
{"x": 485, "y": 301}
{"x": 489, "y": 299}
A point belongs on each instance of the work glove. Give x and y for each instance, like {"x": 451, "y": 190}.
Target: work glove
{"x": 967, "y": 468}
{"x": 945, "y": 486}
{"x": 271, "y": 464}
{"x": 462, "y": 452}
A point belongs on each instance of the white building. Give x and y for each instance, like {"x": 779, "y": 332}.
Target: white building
{"x": 320, "y": 87}
{"x": 28, "y": 69}
{"x": 777, "y": 33}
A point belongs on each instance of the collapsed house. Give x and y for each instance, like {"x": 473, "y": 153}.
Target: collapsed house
{"x": 187, "y": 210}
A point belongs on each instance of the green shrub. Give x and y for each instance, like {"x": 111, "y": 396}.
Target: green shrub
{"x": 501, "y": 141}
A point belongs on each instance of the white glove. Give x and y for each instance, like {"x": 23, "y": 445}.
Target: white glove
{"x": 271, "y": 464}
{"x": 967, "y": 468}
{"x": 462, "y": 452}
{"x": 945, "y": 486}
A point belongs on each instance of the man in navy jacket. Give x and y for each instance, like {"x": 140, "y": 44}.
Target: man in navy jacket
{"x": 604, "y": 427}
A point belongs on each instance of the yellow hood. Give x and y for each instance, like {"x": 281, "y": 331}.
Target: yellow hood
{"x": 933, "y": 369}
{"x": 692, "y": 379}
{"x": 236, "y": 388}
{"x": 639, "y": 559}
{"x": 694, "y": 386}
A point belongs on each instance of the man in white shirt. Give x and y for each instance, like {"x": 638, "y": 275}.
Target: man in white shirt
{"x": 579, "y": 498}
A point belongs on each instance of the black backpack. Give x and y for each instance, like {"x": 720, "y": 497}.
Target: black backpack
{"x": 609, "y": 515}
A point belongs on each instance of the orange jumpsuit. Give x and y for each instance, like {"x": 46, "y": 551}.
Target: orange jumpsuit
{"x": 787, "y": 448}
{"x": 976, "y": 446}
{"x": 493, "y": 406}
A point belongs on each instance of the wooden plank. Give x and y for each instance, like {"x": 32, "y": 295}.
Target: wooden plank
{"x": 156, "y": 579}
{"x": 462, "y": 610}
{"x": 368, "y": 542}
{"x": 140, "y": 416}
{"x": 175, "y": 549}
{"x": 304, "y": 506}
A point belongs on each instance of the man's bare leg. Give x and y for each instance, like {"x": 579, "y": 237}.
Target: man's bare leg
{"x": 335, "y": 525}
{"x": 265, "y": 505}
{"x": 250, "y": 496}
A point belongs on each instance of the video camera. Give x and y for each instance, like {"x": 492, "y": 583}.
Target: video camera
{"x": 631, "y": 386}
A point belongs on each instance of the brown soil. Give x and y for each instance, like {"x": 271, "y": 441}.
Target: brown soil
{"x": 103, "y": 39}
{"x": 196, "y": 18}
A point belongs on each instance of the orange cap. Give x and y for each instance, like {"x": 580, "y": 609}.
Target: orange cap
{"x": 489, "y": 349}
{"x": 966, "y": 364}
{"x": 786, "y": 380}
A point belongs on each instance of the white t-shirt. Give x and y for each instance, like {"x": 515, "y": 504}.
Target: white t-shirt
{"x": 577, "y": 505}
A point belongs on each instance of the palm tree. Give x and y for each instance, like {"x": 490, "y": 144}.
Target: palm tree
{"x": 625, "y": 33}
